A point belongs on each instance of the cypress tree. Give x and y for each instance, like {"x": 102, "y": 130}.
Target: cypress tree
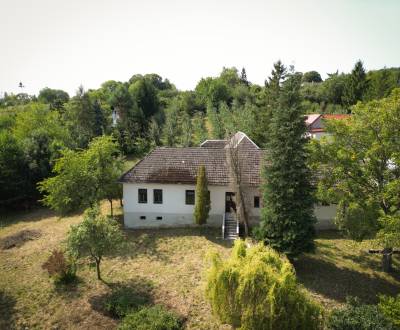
{"x": 202, "y": 205}
{"x": 287, "y": 220}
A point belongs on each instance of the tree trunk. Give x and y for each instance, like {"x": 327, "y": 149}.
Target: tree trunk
{"x": 242, "y": 212}
{"x": 98, "y": 268}
{"x": 111, "y": 206}
{"x": 387, "y": 260}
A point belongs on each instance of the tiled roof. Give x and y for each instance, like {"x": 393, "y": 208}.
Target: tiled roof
{"x": 310, "y": 119}
{"x": 218, "y": 144}
{"x": 336, "y": 116}
{"x": 180, "y": 165}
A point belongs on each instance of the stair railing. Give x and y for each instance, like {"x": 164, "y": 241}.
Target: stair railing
{"x": 237, "y": 226}
{"x": 223, "y": 226}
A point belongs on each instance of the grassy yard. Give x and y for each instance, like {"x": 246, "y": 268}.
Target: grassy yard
{"x": 166, "y": 264}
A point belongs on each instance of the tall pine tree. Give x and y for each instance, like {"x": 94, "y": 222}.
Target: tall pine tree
{"x": 356, "y": 85}
{"x": 287, "y": 220}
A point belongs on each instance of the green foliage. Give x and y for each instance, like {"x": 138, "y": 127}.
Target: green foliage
{"x": 55, "y": 98}
{"x": 356, "y": 85}
{"x": 123, "y": 301}
{"x": 357, "y": 220}
{"x": 287, "y": 220}
{"x": 202, "y": 197}
{"x": 359, "y": 168}
{"x": 171, "y": 129}
{"x": 81, "y": 118}
{"x": 390, "y": 308}
{"x": 95, "y": 237}
{"x": 14, "y": 183}
{"x": 311, "y": 77}
{"x": 200, "y": 133}
{"x": 83, "y": 178}
{"x": 151, "y": 318}
{"x": 61, "y": 269}
{"x": 256, "y": 288}
{"x": 217, "y": 122}
{"x": 381, "y": 83}
{"x": 356, "y": 316}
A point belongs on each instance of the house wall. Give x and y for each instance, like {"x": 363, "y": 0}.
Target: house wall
{"x": 175, "y": 212}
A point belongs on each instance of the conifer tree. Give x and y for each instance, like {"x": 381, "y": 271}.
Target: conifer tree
{"x": 287, "y": 220}
{"x": 202, "y": 197}
{"x": 243, "y": 77}
{"x": 356, "y": 85}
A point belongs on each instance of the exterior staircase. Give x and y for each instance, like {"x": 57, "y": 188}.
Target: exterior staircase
{"x": 230, "y": 227}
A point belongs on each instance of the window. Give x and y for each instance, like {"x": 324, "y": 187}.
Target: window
{"x": 142, "y": 217}
{"x": 142, "y": 195}
{"x": 158, "y": 218}
{"x": 157, "y": 196}
{"x": 256, "y": 202}
{"x": 189, "y": 198}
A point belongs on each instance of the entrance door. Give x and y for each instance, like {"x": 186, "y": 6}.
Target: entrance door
{"x": 230, "y": 204}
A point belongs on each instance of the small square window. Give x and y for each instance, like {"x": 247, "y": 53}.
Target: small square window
{"x": 158, "y": 218}
{"x": 189, "y": 197}
{"x": 142, "y": 195}
{"x": 157, "y": 196}
{"x": 256, "y": 202}
{"x": 142, "y": 217}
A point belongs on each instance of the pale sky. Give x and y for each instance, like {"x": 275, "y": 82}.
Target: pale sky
{"x": 65, "y": 43}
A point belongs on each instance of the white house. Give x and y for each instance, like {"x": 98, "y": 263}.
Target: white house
{"x": 315, "y": 123}
{"x": 160, "y": 189}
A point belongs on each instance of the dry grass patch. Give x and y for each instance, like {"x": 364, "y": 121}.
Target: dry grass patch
{"x": 341, "y": 267}
{"x": 168, "y": 264}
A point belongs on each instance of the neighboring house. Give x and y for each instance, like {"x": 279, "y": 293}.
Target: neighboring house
{"x": 315, "y": 123}
{"x": 160, "y": 189}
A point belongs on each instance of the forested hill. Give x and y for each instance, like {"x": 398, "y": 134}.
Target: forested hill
{"x": 149, "y": 111}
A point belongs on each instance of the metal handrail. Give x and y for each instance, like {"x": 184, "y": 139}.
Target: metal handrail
{"x": 223, "y": 226}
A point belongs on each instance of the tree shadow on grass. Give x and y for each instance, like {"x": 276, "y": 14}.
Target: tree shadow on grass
{"x": 336, "y": 283}
{"x": 71, "y": 290}
{"x": 14, "y": 217}
{"x": 7, "y": 304}
{"x": 146, "y": 242}
{"x": 134, "y": 293}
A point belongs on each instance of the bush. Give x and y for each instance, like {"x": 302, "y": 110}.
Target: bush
{"x": 356, "y": 316}
{"x": 256, "y": 288}
{"x": 62, "y": 271}
{"x": 390, "y": 308}
{"x": 151, "y": 318}
{"x": 123, "y": 301}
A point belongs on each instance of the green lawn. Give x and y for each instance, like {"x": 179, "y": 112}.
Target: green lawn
{"x": 166, "y": 264}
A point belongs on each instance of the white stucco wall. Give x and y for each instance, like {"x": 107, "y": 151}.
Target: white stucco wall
{"x": 173, "y": 209}
{"x": 175, "y": 212}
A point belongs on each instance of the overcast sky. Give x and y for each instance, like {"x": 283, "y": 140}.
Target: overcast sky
{"x": 66, "y": 43}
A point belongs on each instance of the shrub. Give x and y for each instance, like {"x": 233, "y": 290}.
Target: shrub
{"x": 151, "y": 318}
{"x": 356, "y": 316}
{"x": 202, "y": 197}
{"x": 124, "y": 300}
{"x": 256, "y": 288}
{"x": 62, "y": 271}
{"x": 390, "y": 308}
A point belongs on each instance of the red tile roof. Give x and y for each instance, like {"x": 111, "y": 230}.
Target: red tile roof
{"x": 336, "y": 116}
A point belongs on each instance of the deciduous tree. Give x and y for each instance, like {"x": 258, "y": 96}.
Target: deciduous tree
{"x": 96, "y": 237}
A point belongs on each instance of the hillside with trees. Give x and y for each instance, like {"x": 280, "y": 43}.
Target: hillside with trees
{"x": 148, "y": 111}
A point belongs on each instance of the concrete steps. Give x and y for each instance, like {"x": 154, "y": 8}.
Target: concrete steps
{"x": 230, "y": 232}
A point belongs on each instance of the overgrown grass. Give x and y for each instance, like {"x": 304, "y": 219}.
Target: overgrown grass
{"x": 168, "y": 264}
